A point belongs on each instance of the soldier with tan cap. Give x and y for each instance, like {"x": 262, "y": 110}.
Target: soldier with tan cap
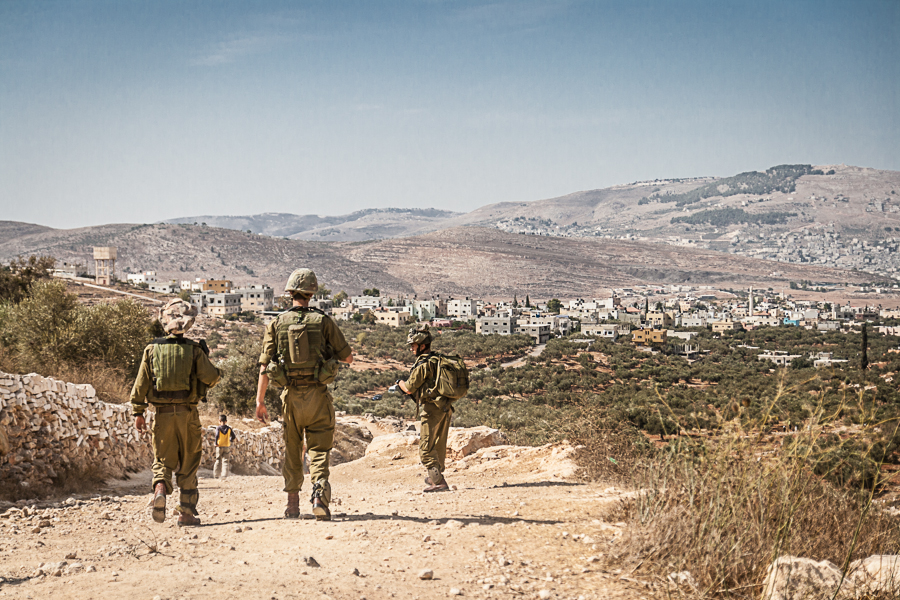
{"x": 174, "y": 375}
{"x": 300, "y": 352}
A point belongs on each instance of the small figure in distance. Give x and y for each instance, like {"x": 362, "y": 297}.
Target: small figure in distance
{"x": 224, "y": 438}
{"x": 437, "y": 411}
{"x": 174, "y": 375}
{"x": 300, "y": 352}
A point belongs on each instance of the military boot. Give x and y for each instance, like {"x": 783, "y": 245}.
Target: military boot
{"x": 159, "y": 502}
{"x": 187, "y": 519}
{"x": 436, "y": 481}
{"x": 321, "y": 498}
{"x": 293, "y": 506}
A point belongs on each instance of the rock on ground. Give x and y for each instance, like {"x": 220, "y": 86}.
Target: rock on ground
{"x": 797, "y": 578}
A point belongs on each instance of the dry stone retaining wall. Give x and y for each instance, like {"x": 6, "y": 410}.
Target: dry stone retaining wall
{"x": 54, "y": 428}
{"x": 50, "y": 429}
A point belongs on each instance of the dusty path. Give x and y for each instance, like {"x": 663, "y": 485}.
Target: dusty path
{"x": 514, "y": 528}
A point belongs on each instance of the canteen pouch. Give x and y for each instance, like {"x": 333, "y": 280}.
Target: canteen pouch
{"x": 275, "y": 371}
{"x": 298, "y": 343}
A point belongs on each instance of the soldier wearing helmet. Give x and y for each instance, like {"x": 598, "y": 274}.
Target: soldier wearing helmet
{"x": 300, "y": 352}
{"x": 174, "y": 375}
{"x": 437, "y": 412}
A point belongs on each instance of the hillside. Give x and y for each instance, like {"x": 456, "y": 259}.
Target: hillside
{"x": 831, "y": 215}
{"x": 473, "y": 261}
{"x": 361, "y": 225}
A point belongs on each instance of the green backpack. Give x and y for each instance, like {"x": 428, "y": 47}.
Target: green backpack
{"x": 451, "y": 377}
{"x": 303, "y": 351}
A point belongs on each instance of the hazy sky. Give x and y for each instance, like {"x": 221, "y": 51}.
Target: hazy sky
{"x": 141, "y": 111}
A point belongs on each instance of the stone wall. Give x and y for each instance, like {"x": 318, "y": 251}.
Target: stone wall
{"x": 50, "y": 429}
{"x": 55, "y": 429}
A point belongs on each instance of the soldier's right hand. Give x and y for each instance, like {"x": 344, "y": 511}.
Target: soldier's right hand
{"x": 262, "y": 414}
{"x": 139, "y": 423}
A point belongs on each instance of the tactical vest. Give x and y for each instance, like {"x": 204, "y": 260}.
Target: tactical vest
{"x": 171, "y": 366}
{"x": 302, "y": 348}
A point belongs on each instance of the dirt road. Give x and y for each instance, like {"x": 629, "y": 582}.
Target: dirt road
{"x": 516, "y": 526}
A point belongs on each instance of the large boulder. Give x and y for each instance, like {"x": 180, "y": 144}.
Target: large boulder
{"x": 394, "y": 442}
{"x": 876, "y": 574}
{"x": 465, "y": 441}
{"x": 796, "y": 578}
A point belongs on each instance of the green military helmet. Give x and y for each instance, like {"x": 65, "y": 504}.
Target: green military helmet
{"x": 177, "y": 316}
{"x": 419, "y": 334}
{"x": 303, "y": 281}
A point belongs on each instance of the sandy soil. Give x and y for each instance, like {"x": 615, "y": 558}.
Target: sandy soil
{"x": 516, "y": 526}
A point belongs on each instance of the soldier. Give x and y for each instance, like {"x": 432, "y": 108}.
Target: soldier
{"x": 224, "y": 438}
{"x": 174, "y": 375}
{"x": 437, "y": 411}
{"x": 301, "y": 350}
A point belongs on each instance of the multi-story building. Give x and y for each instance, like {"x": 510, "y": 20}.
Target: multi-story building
{"x": 725, "y": 325}
{"x": 501, "y": 325}
{"x": 164, "y": 288}
{"x": 218, "y": 286}
{"x": 464, "y": 308}
{"x": 256, "y": 298}
{"x": 659, "y": 319}
{"x": 370, "y": 302}
{"x": 604, "y": 330}
{"x": 145, "y": 277}
{"x": 425, "y": 310}
{"x": 391, "y": 318}
{"x": 649, "y": 337}
{"x": 539, "y": 332}
{"x": 221, "y": 304}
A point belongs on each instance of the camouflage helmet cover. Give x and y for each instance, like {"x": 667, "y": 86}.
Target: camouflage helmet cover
{"x": 177, "y": 316}
{"x": 303, "y": 281}
{"x": 419, "y": 334}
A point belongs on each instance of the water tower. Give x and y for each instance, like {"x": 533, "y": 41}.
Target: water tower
{"x": 104, "y": 264}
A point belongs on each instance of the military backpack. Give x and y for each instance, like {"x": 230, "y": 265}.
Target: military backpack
{"x": 304, "y": 355}
{"x": 451, "y": 377}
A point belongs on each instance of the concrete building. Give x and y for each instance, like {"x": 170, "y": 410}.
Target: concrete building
{"x": 539, "y": 332}
{"x": 170, "y": 287}
{"x": 659, "y": 319}
{"x": 256, "y": 298}
{"x": 501, "y": 325}
{"x": 222, "y": 304}
{"x": 825, "y": 359}
{"x": 778, "y": 357}
{"x": 370, "y": 302}
{"x": 604, "y": 330}
{"x": 726, "y": 325}
{"x": 138, "y": 278}
{"x": 218, "y": 286}
{"x": 426, "y": 310}
{"x": 462, "y": 309}
{"x": 649, "y": 337}
{"x": 391, "y": 318}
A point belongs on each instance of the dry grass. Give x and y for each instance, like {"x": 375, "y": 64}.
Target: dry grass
{"x": 725, "y": 509}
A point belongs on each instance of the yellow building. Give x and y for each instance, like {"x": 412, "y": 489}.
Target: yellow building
{"x": 649, "y": 337}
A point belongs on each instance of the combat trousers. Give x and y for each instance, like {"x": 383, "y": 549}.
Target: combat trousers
{"x": 434, "y": 433}
{"x": 177, "y": 443}
{"x": 220, "y": 467}
{"x": 308, "y": 411}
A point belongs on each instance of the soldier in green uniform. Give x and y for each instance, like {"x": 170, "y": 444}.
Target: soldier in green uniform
{"x": 174, "y": 375}
{"x": 437, "y": 411}
{"x": 300, "y": 351}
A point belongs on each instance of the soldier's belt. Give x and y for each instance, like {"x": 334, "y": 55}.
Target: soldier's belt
{"x": 178, "y": 395}
{"x": 302, "y": 382}
{"x": 171, "y": 408}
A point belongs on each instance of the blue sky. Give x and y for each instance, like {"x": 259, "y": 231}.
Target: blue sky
{"x": 142, "y": 111}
